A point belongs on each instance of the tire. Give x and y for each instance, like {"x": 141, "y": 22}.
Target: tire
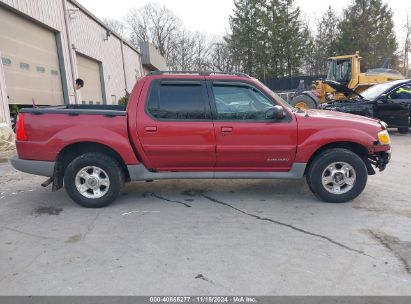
{"x": 303, "y": 102}
{"x": 403, "y": 130}
{"x": 100, "y": 174}
{"x": 349, "y": 177}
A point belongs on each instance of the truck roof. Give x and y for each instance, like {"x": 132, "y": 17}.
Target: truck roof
{"x": 198, "y": 73}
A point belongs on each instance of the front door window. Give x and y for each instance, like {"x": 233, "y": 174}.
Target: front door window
{"x": 241, "y": 103}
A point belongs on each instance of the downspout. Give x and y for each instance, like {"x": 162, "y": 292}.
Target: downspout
{"x": 124, "y": 66}
{"x": 66, "y": 22}
{"x": 4, "y": 102}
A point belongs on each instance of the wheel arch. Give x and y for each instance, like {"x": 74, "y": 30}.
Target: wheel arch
{"x": 354, "y": 147}
{"x": 71, "y": 151}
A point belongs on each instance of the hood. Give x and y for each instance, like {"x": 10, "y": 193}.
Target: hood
{"x": 344, "y": 103}
{"x": 339, "y": 87}
{"x": 342, "y": 117}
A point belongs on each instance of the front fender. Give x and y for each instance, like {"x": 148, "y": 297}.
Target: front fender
{"x": 313, "y": 142}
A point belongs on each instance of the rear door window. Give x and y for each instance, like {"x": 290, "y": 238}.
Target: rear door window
{"x": 177, "y": 101}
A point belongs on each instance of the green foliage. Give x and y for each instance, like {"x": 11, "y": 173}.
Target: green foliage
{"x": 246, "y": 38}
{"x": 122, "y": 101}
{"x": 14, "y": 109}
{"x": 323, "y": 44}
{"x": 367, "y": 26}
{"x": 268, "y": 37}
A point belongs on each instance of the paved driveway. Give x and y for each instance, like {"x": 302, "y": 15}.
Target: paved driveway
{"x": 209, "y": 237}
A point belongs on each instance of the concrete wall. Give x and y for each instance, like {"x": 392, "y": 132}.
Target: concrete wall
{"x": 48, "y": 13}
{"x": 152, "y": 58}
{"x": 88, "y": 37}
{"x": 134, "y": 68}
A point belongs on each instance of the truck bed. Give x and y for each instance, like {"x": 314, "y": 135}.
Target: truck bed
{"x": 108, "y": 110}
{"x": 51, "y": 129}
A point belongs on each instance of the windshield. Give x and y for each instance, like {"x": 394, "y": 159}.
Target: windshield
{"x": 374, "y": 92}
{"x": 339, "y": 70}
{"x": 274, "y": 95}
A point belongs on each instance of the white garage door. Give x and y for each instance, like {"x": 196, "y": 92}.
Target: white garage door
{"x": 30, "y": 60}
{"x": 89, "y": 71}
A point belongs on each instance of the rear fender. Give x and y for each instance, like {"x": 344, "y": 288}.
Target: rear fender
{"x": 74, "y": 135}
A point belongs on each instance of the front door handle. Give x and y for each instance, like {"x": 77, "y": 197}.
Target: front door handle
{"x": 151, "y": 129}
{"x": 226, "y": 129}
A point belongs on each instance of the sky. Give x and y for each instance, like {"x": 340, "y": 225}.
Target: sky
{"x": 211, "y": 16}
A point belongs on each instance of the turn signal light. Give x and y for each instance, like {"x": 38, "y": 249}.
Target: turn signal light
{"x": 20, "y": 131}
{"x": 384, "y": 137}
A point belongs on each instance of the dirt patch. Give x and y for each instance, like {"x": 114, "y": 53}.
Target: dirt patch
{"x": 192, "y": 192}
{"x": 201, "y": 277}
{"x": 47, "y": 211}
{"x": 401, "y": 249}
{"x": 73, "y": 239}
{"x": 382, "y": 210}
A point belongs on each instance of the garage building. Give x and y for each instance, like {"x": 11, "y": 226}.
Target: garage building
{"x": 45, "y": 45}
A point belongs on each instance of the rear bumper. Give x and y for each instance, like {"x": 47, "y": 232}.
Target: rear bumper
{"x": 36, "y": 167}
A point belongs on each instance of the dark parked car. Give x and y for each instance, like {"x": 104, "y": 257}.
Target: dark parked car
{"x": 390, "y": 102}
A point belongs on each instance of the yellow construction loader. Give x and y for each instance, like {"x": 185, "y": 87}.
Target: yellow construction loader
{"x": 342, "y": 70}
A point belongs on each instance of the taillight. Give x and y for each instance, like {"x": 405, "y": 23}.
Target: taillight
{"x": 20, "y": 131}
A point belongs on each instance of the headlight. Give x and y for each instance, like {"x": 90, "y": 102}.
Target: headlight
{"x": 384, "y": 137}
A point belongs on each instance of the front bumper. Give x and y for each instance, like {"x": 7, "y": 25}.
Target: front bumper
{"x": 36, "y": 167}
{"x": 380, "y": 159}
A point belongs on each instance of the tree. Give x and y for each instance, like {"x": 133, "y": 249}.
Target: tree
{"x": 183, "y": 55}
{"x": 156, "y": 24}
{"x": 268, "y": 37}
{"x": 407, "y": 47}
{"x": 246, "y": 29}
{"x": 117, "y": 27}
{"x": 287, "y": 37}
{"x": 367, "y": 26}
{"x": 322, "y": 45}
{"x": 221, "y": 57}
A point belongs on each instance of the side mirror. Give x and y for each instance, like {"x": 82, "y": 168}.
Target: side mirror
{"x": 277, "y": 112}
{"x": 384, "y": 98}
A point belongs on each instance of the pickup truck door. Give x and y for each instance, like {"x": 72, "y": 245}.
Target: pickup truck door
{"x": 246, "y": 139}
{"x": 175, "y": 126}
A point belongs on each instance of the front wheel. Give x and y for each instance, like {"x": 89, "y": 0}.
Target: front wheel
{"x": 94, "y": 180}
{"x": 337, "y": 175}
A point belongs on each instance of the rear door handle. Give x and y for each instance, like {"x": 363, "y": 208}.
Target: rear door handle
{"x": 151, "y": 129}
{"x": 226, "y": 129}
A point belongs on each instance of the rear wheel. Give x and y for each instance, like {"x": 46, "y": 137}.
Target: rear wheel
{"x": 337, "y": 175}
{"x": 303, "y": 102}
{"x": 94, "y": 180}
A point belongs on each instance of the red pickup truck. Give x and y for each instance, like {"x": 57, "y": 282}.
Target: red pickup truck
{"x": 191, "y": 125}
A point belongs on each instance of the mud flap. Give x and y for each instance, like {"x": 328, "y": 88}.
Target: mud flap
{"x": 370, "y": 169}
{"x": 57, "y": 176}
